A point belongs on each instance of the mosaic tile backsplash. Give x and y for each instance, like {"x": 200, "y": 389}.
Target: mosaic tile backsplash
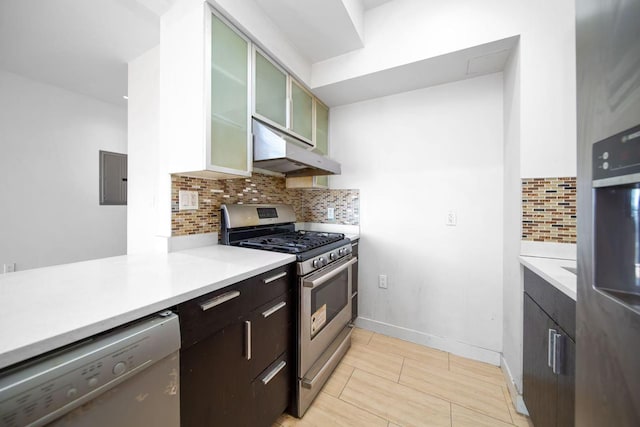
{"x": 309, "y": 205}
{"x": 549, "y": 209}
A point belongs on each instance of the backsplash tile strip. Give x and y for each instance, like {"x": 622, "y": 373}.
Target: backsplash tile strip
{"x": 309, "y": 205}
{"x": 549, "y": 209}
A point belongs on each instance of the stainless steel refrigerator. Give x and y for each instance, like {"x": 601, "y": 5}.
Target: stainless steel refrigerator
{"x": 608, "y": 304}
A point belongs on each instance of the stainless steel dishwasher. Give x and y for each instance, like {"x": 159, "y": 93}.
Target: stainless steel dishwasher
{"x": 126, "y": 377}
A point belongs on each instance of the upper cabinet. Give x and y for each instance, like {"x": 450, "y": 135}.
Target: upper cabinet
{"x": 321, "y": 135}
{"x": 229, "y": 142}
{"x": 301, "y": 112}
{"x": 211, "y": 87}
{"x": 205, "y": 95}
{"x": 280, "y": 100}
{"x": 321, "y": 139}
{"x": 270, "y": 89}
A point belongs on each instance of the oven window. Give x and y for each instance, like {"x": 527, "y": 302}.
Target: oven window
{"x": 327, "y": 300}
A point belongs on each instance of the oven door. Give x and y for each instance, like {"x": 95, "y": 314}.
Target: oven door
{"x": 325, "y": 310}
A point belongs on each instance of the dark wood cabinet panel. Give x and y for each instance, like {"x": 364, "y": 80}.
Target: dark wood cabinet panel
{"x": 567, "y": 385}
{"x": 213, "y": 381}
{"x": 354, "y": 287}
{"x": 539, "y": 381}
{"x": 271, "y": 392}
{"x": 557, "y": 305}
{"x": 231, "y": 348}
{"x": 548, "y": 395}
{"x": 270, "y": 332}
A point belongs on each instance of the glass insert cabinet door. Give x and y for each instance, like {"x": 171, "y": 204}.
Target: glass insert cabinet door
{"x": 230, "y": 58}
{"x": 270, "y": 91}
{"x": 322, "y": 138}
{"x": 301, "y": 111}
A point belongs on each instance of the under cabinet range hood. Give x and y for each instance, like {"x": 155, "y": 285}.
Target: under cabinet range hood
{"x": 276, "y": 151}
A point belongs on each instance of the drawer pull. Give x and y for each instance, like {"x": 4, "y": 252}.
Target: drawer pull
{"x": 220, "y": 299}
{"x": 273, "y": 309}
{"x": 274, "y": 278}
{"x": 551, "y": 347}
{"x": 247, "y": 337}
{"x": 273, "y": 373}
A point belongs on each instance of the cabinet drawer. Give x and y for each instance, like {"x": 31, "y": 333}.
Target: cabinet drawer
{"x": 271, "y": 391}
{"x": 557, "y": 305}
{"x": 270, "y": 332}
{"x": 203, "y": 316}
{"x": 271, "y": 284}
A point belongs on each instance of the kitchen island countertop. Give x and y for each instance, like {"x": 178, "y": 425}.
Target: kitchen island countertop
{"x": 47, "y": 308}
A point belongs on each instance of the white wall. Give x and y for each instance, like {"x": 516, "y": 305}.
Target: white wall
{"x": 143, "y": 137}
{"x": 414, "y": 156}
{"x": 405, "y": 31}
{"x": 512, "y": 296}
{"x": 49, "y": 172}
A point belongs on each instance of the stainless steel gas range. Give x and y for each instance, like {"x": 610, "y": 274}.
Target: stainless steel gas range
{"x": 323, "y": 287}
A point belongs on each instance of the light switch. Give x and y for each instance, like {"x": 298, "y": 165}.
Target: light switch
{"x": 187, "y": 200}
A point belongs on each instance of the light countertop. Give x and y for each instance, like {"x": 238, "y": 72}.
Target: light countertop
{"x": 551, "y": 270}
{"x": 46, "y": 308}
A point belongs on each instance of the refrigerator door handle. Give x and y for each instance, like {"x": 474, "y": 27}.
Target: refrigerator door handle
{"x": 551, "y": 345}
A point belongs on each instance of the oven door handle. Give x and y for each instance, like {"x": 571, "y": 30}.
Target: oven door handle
{"x": 329, "y": 275}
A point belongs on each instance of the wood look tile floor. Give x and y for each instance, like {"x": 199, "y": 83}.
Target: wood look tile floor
{"x": 387, "y": 382}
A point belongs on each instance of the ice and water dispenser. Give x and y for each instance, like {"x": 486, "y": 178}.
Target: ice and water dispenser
{"x": 616, "y": 186}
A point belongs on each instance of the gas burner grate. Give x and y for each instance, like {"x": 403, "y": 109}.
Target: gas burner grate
{"x": 292, "y": 242}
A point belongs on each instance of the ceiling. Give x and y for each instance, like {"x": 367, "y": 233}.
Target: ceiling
{"x": 321, "y": 29}
{"x": 83, "y": 46}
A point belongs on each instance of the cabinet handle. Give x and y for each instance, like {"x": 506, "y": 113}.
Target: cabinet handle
{"x": 551, "y": 347}
{"x": 274, "y": 372}
{"x": 247, "y": 338}
{"x": 219, "y": 300}
{"x": 274, "y": 278}
{"x": 558, "y": 347}
{"x": 273, "y": 309}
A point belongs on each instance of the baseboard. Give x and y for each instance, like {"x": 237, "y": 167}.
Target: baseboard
{"x": 515, "y": 395}
{"x": 452, "y": 346}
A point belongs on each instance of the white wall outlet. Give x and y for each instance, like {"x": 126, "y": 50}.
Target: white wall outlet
{"x": 187, "y": 200}
{"x": 331, "y": 213}
{"x": 9, "y": 268}
{"x": 452, "y": 218}
{"x": 382, "y": 281}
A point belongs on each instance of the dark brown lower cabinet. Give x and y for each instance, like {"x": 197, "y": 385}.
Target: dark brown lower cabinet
{"x": 213, "y": 380}
{"x": 235, "y": 362}
{"x": 354, "y": 279}
{"x": 549, "y": 354}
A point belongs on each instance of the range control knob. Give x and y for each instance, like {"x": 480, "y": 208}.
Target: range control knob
{"x": 322, "y": 261}
{"x": 332, "y": 256}
{"x": 605, "y": 165}
{"x": 92, "y": 382}
{"x": 315, "y": 263}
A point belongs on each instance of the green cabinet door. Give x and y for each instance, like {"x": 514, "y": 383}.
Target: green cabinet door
{"x": 229, "y": 138}
{"x": 270, "y": 91}
{"x": 301, "y": 111}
